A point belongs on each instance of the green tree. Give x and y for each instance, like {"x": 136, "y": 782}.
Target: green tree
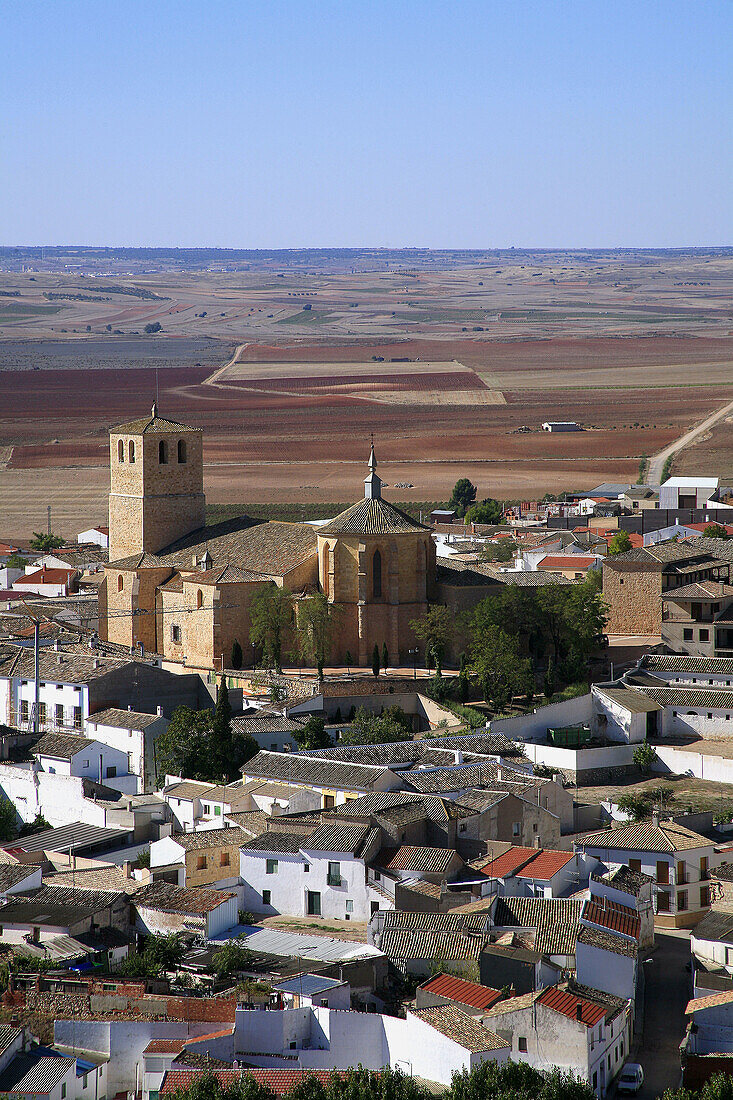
{"x": 715, "y": 531}
{"x": 620, "y": 543}
{"x": 349, "y": 659}
{"x": 633, "y": 805}
{"x": 236, "y": 657}
{"x": 153, "y": 326}
{"x": 512, "y": 608}
{"x": 378, "y": 729}
{"x": 317, "y": 620}
{"x": 44, "y": 543}
{"x": 501, "y": 551}
{"x": 8, "y": 819}
{"x": 39, "y": 824}
{"x": 313, "y": 734}
{"x": 221, "y": 731}
{"x": 499, "y": 667}
{"x": 464, "y": 683}
{"x": 644, "y": 757}
{"x": 463, "y": 495}
{"x": 385, "y": 656}
{"x": 367, "y": 1084}
{"x": 15, "y": 561}
{"x": 231, "y": 959}
{"x": 435, "y": 629}
{"x": 488, "y": 511}
{"x": 271, "y": 613}
{"x": 516, "y": 1081}
{"x": 189, "y": 747}
{"x": 375, "y": 661}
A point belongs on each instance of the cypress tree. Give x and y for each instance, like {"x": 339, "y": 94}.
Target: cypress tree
{"x": 236, "y": 654}
{"x": 385, "y": 656}
{"x": 375, "y": 660}
{"x": 221, "y": 730}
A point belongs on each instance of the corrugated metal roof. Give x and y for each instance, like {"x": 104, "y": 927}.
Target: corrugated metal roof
{"x": 69, "y": 838}
{"x": 465, "y": 993}
{"x": 307, "y": 985}
{"x": 272, "y": 941}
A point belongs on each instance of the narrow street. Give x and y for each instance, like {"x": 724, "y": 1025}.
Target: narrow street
{"x": 668, "y": 989}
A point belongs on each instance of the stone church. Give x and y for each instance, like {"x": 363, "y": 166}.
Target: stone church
{"x": 178, "y": 588}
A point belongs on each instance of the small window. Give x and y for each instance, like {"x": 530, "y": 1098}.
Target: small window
{"x": 201, "y": 863}
{"x": 522, "y": 1044}
{"x": 24, "y": 710}
{"x": 77, "y": 718}
{"x": 224, "y": 861}
{"x": 120, "y": 451}
{"x": 266, "y": 897}
{"x": 130, "y": 458}
{"x": 175, "y": 633}
{"x": 217, "y": 811}
{"x": 516, "y": 828}
{"x": 112, "y": 771}
{"x": 595, "y": 1080}
{"x": 377, "y": 575}
{"x": 705, "y": 636}
{"x": 63, "y": 1091}
{"x": 271, "y": 867}
{"x": 181, "y": 450}
{"x": 462, "y": 827}
{"x": 120, "y": 583}
{"x": 199, "y": 598}
{"x": 687, "y": 634}
{"x": 162, "y": 453}
{"x": 349, "y": 905}
{"x": 85, "y": 763}
{"x": 84, "y": 1080}
{"x": 306, "y": 868}
{"x": 59, "y": 714}
{"x": 621, "y": 580}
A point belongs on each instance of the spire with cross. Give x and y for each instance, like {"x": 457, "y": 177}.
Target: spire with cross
{"x": 372, "y": 483}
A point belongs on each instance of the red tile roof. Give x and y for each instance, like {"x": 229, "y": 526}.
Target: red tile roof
{"x": 465, "y": 993}
{"x": 566, "y": 561}
{"x": 47, "y": 575}
{"x": 509, "y": 862}
{"x": 279, "y": 1080}
{"x": 612, "y": 915}
{"x": 210, "y": 1035}
{"x": 545, "y": 864}
{"x": 559, "y": 1000}
{"x": 711, "y": 1001}
{"x": 165, "y": 1046}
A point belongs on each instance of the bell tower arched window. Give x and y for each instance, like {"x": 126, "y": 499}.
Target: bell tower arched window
{"x": 181, "y": 450}
{"x": 131, "y": 451}
{"x": 377, "y": 575}
{"x": 120, "y": 451}
{"x": 199, "y": 598}
{"x": 326, "y": 573}
{"x": 162, "y": 452}
{"x": 120, "y": 583}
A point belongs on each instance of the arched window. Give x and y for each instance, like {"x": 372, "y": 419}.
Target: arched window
{"x": 181, "y": 450}
{"x": 377, "y": 575}
{"x": 120, "y": 583}
{"x": 131, "y": 451}
{"x": 120, "y": 451}
{"x": 162, "y": 452}
{"x": 199, "y": 598}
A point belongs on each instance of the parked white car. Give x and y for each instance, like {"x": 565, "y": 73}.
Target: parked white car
{"x": 631, "y": 1078}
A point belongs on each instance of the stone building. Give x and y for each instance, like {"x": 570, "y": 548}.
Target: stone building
{"x": 634, "y": 582}
{"x": 176, "y": 587}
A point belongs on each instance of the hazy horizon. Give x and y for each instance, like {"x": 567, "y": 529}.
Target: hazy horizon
{"x": 293, "y": 125}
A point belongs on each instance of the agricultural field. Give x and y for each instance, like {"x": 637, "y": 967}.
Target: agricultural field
{"x": 444, "y": 364}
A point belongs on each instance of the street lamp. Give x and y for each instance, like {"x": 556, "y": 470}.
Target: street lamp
{"x": 253, "y": 654}
{"x": 413, "y": 654}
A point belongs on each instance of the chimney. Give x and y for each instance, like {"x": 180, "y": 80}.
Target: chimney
{"x": 127, "y": 869}
{"x": 579, "y": 1011}
{"x": 458, "y": 756}
{"x": 129, "y": 706}
{"x": 159, "y": 711}
{"x": 655, "y": 817}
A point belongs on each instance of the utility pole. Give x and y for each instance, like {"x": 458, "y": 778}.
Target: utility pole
{"x": 49, "y": 519}
{"x": 36, "y": 685}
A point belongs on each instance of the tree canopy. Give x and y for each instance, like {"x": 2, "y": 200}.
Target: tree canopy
{"x": 201, "y": 744}
{"x": 499, "y": 667}
{"x": 378, "y": 729}
{"x": 271, "y": 613}
{"x": 435, "y": 629}
{"x": 516, "y": 1081}
{"x": 488, "y": 511}
{"x": 620, "y": 543}
{"x": 313, "y": 734}
{"x": 44, "y": 542}
{"x": 463, "y": 495}
{"x": 715, "y": 531}
{"x": 316, "y": 624}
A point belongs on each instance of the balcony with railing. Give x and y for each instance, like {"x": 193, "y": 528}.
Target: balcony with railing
{"x": 334, "y": 880}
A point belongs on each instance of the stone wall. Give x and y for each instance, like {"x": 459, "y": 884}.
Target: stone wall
{"x": 634, "y": 599}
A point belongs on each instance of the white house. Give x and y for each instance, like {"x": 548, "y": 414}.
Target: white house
{"x": 97, "y": 535}
{"x": 272, "y": 731}
{"x": 134, "y": 734}
{"x": 576, "y": 1028}
{"x": 687, "y": 492}
{"x": 53, "y": 1076}
{"x": 679, "y": 861}
{"x": 70, "y": 754}
{"x": 711, "y": 941}
{"x": 610, "y": 962}
{"x": 540, "y": 873}
{"x": 321, "y": 874}
{"x": 634, "y": 889}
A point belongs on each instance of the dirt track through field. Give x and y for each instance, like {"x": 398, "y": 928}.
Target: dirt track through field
{"x": 656, "y": 464}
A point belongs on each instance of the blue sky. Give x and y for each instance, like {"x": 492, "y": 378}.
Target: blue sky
{"x": 280, "y": 123}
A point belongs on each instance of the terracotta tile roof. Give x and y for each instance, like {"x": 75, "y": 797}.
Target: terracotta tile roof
{"x": 165, "y": 1046}
{"x": 165, "y": 898}
{"x": 569, "y": 1004}
{"x": 295, "y": 767}
{"x": 514, "y": 1004}
{"x": 700, "y": 1003}
{"x": 545, "y": 864}
{"x": 372, "y": 517}
{"x": 208, "y": 838}
{"x": 566, "y": 561}
{"x": 613, "y": 916}
{"x": 337, "y": 839}
{"x": 407, "y": 858}
{"x": 625, "y": 880}
{"x": 459, "y": 1027}
{"x": 46, "y": 575}
{"x": 147, "y": 424}
{"x": 465, "y": 993}
{"x": 606, "y": 941}
{"x": 679, "y": 663}
{"x": 61, "y": 745}
{"x": 555, "y": 921}
{"x": 645, "y": 836}
{"x": 281, "y": 1081}
{"x": 477, "y": 922}
{"x": 509, "y": 863}
{"x": 123, "y": 719}
{"x": 266, "y": 549}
